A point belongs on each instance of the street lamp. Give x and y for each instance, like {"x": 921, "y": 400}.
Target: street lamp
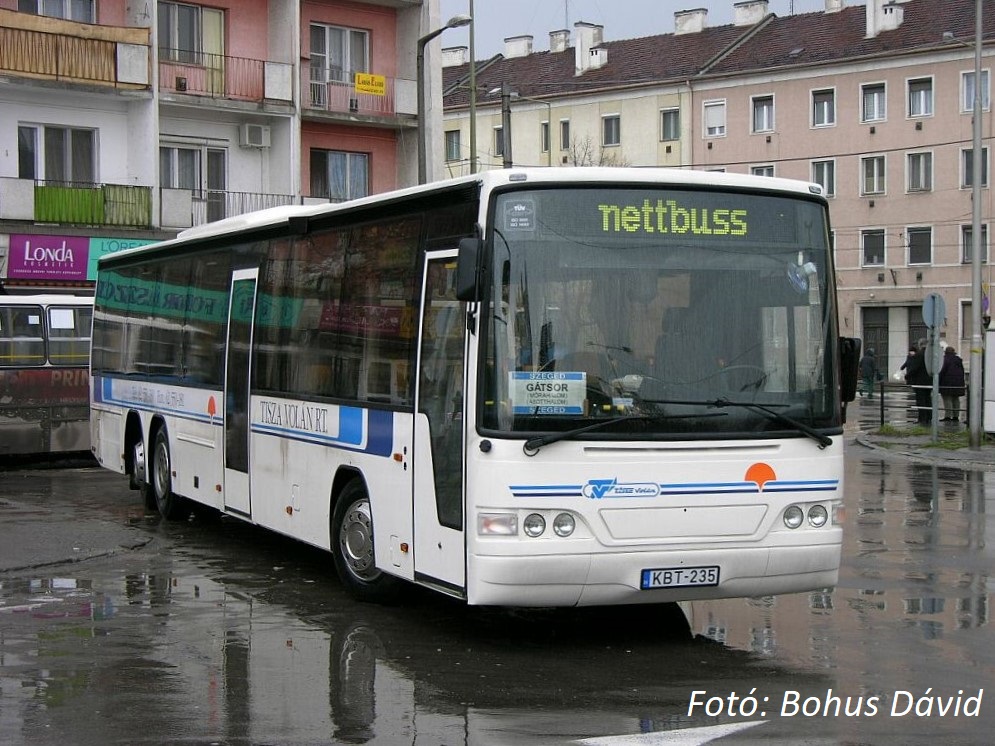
{"x": 549, "y": 123}
{"x": 454, "y": 22}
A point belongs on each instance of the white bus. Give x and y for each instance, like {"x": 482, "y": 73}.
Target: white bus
{"x": 526, "y": 387}
{"x": 44, "y": 378}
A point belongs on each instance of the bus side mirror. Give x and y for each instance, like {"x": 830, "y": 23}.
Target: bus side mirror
{"x": 849, "y": 359}
{"x": 468, "y": 270}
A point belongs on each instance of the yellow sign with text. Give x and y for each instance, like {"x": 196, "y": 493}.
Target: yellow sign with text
{"x": 370, "y": 83}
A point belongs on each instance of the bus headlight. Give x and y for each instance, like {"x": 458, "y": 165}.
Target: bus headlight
{"x": 793, "y": 516}
{"x": 534, "y": 525}
{"x": 817, "y": 516}
{"x": 497, "y": 524}
{"x": 564, "y": 525}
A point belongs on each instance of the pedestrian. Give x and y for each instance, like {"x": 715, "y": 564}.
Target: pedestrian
{"x": 921, "y": 382}
{"x": 869, "y": 373}
{"x": 951, "y": 384}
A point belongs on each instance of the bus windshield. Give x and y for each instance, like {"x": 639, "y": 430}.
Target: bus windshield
{"x": 683, "y": 313}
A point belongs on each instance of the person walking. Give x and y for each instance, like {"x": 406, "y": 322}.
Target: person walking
{"x": 869, "y": 373}
{"x": 921, "y": 382}
{"x": 952, "y": 383}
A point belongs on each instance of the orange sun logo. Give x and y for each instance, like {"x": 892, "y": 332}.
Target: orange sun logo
{"x": 760, "y": 474}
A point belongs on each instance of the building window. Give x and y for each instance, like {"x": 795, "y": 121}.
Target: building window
{"x": 872, "y": 174}
{"x": 337, "y": 175}
{"x": 824, "y": 174}
{"x": 765, "y": 170}
{"x": 921, "y": 97}
{"x": 191, "y": 34}
{"x": 715, "y": 118}
{"x": 872, "y": 103}
{"x": 872, "y": 247}
{"x": 967, "y": 243}
{"x": 920, "y": 245}
{"x": 338, "y": 53}
{"x": 823, "y": 108}
{"x": 499, "y": 141}
{"x": 967, "y": 87}
{"x": 57, "y": 154}
{"x": 670, "y": 124}
{"x": 204, "y": 171}
{"x": 454, "y": 152}
{"x": 70, "y": 10}
{"x": 920, "y": 172}
{"x": 967, "y": 167}
{"x": 564, "y": 134}
{"x": 611, "y": 130}
{"x": 763, "y": 114}
{"x": 544, "y": 137}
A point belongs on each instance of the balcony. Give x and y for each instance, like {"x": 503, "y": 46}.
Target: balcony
{"x": 184, "y": 208}
{"x": 222, "y": 76}
{"x": 52, "y": 49}
{"x": 74, "y": 203}
{"x": 383, "y": 97}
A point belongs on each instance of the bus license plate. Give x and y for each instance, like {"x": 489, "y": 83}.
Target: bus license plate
{"x": 679, "y": 577}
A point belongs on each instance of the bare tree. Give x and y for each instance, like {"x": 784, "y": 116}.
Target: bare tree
{"x": 585, "y": 153}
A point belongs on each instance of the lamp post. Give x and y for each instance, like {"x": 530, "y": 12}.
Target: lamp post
{"x": 974, "y": 402}
{"x": 549, "y": 123}
{"x": 453, "y": 22}
{"x": 473, "y": 99}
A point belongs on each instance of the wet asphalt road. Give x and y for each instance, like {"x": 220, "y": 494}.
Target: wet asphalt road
{"x": 210, "y": 631}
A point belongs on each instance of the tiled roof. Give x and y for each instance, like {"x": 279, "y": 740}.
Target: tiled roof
{"x": 801, "y": 40}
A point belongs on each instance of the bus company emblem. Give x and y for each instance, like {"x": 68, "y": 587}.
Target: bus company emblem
{"x": 598, "y": 489}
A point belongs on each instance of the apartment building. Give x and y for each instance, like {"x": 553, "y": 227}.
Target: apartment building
{"x": 873, "y": 102}
{"x": 122, "y": 123}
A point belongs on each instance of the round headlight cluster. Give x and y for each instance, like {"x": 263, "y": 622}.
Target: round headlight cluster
{"x": 794, "y": 516}
{"x": 534, "y": 525}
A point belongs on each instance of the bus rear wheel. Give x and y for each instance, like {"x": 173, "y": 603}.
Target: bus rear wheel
{"x": 170, "y": 505}
{"x": 353, "y": 549}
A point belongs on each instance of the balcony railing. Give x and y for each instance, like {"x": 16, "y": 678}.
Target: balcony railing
{"x": 319, "y": 92}
{"x": 222, "y": 76}
{"x": 93, "y": 204}
{"x": 54, "y": 49}
{"x": 183, "y": 208}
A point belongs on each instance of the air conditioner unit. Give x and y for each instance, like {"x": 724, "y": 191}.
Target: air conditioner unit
{"x": 253, "y": 136}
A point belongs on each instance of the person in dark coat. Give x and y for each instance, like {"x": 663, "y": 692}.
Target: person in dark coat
{"x": 869, "y": 373}
{"x": 952, "y": 383}
{"x": 921, "y": 382}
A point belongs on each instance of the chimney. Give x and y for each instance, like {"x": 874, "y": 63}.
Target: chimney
{"x": 589, "y": 36}
{"x": 750, "y": 12}
{"x": 517, "y": 46}
{"x": 834, "y": 6}
{"x": 883, "y": 15}
{"x": 559, "y": 40}
{"x": 690, "y": 21}
{"x": 455, "y": 56}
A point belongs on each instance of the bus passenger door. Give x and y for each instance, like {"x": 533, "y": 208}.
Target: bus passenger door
{"x": 241, "y": 311}
{"x": 440, "y": 547}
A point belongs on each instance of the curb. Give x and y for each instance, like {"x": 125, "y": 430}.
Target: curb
{"x": 983, "y": 460}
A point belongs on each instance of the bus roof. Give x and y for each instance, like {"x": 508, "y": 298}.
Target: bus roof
{"x": 46, "y": 299}
{"x": 276, "y": 216}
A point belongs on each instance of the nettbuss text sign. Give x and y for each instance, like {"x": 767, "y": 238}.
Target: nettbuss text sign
{"x": 548, "y": 393}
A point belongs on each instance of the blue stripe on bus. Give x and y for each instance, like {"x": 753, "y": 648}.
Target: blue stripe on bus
{"x": 375, "y": 426}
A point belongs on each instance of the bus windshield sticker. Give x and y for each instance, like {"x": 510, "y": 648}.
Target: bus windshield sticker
{"x": 62, "y": 318}
{"x": 555, "y": 393}
{"x": 519, "y": 215}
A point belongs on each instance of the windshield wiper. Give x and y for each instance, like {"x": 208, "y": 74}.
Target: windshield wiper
{"x": 532, "y": 445}
{"x": 772, "y": 414}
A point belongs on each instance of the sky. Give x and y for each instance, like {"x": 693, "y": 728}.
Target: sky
{"x": 496, "y": 20}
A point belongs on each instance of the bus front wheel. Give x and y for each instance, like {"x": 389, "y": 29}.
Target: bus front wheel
{"x": 352, "y": 548}
{"x": 170, "y": 505}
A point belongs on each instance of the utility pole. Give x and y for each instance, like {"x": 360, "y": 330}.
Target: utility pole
{"x": 506, "y": 124}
